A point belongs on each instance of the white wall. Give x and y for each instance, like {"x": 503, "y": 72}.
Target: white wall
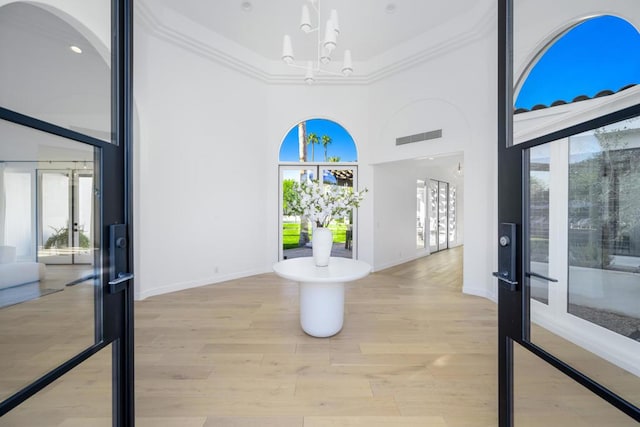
{"x": 394, "y": 215}
{"x": 455, "y": 92}
{"x": 201, "y": 175}
{"x": 202, "y": 124}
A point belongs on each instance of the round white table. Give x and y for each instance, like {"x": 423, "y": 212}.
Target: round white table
{"x": 322, "y": 290}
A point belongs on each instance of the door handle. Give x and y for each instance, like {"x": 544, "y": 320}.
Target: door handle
{"x": 540, "y": 276}
{"x": 504, "y": 278}
{"x": 116, "y": 285}
{"x": 507, "y": 256}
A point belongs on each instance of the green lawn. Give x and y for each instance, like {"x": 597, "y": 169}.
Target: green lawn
{"x": 291, "y": 233}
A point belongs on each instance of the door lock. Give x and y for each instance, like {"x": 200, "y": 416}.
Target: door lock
{"x": 506, "y": 273}
{"x": 118, "y": 275}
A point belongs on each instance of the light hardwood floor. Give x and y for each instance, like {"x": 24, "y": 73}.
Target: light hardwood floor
{"x": 414, "y": 351}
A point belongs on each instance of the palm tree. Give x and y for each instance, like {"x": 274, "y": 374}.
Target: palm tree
{"x": 302, "y": 139}
{"x": 333, "y": 159}
{"x": 326, "y": 140}
{"x": 312, "y": 139}
{"x": 302, "y": 151}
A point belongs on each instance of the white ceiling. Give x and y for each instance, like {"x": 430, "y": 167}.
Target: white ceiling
{"x": 366, "y": 26}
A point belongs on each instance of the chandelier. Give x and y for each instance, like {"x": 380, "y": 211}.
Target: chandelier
{"x": 325, "y": 45}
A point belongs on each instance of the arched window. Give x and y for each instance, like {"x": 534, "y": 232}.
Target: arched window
{"x": 594, "y": 58}
{"x": 323, "y": 150}
{"x": 324, "y": 141}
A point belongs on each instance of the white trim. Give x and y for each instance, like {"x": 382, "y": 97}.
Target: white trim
{"x": 273, "y": 72}
{"x": 181, "y": 286}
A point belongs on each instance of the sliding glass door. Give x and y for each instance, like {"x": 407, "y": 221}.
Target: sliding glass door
{"x": 442, "y": 215}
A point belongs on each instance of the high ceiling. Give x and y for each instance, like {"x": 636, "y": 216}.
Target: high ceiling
{"x": 368, "y": 27}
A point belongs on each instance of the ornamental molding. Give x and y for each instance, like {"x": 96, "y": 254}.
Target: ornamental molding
{"x": 168, "y": 26}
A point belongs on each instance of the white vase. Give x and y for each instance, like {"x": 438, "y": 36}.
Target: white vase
{"x": 321, "y": 244}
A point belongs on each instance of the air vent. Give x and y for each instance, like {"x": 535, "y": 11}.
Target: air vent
{"x": 425, "y": 136}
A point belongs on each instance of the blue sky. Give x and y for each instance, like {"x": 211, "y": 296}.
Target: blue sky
{"x": 601, "y": 53}
{"x": 342, "y": 144}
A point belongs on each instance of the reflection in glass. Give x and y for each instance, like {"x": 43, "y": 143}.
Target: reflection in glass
{"x": 433, "y": 216}
{"x": 544, "y": 396}
{"x": 538, "y": 186}
{"x": 453, "y": 229}
{"x": 421, "y": 213}
{"x": 443, "y": 215}
{"x": 604, "y": 228}
{"x": 584, "y": 229}
{"x": 54, "y": 203}
{"x": 43, "y": 78}
{"x": 296, "y": 230}
{"x": 47, "y": 308}
{"x": 342, "y": 228}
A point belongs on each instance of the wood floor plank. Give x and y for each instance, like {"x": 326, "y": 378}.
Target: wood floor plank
{"x": 254, "y": 422}
{"x": 414, "y": 351}
{"x": 436, "y": 421}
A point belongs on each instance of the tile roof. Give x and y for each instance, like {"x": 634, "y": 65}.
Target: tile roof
{"x": 578, "y": 98}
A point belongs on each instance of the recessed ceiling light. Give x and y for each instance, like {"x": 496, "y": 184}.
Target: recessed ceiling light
{"x": 75, "y": 49}
{"x": 391, "y": 7}
{"x": 246, "y": 6}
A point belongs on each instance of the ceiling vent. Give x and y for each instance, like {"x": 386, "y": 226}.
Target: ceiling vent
{"x": 425, "y": 136}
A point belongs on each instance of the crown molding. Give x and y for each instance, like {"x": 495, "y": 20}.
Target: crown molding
{"x": 166, "y": 25}
{"x": 159, "y": 27}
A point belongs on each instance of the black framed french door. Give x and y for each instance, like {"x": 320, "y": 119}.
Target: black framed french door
{"x": 65, "y": 134}
{"x": 567, "y": 250}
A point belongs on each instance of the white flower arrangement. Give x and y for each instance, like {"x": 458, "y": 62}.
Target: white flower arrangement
{"x": 321, "y": 203}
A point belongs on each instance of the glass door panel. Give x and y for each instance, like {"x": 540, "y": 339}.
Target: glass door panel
{"x": 56, "y": 74}
{"x": 49, "y": 312}
{"x": 83, "y": 213}
{"x": 584, "y": 238}
{"x": 543, "y": 396}
{"x": 538, "y": 230}
{"x": 421, "y": 213}
{"x": 433, "y": 216}
{"x": 453, "y": 215}
{"x": 342, "y": 228}
{"x": 296, "y": 237}
{"x": 443, "y": 215}
{"x": 65, "y": 102}
{"x": 296, "y": 230}
{"x": 54, "y": 198}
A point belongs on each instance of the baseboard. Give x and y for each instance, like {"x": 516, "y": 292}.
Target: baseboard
{"x": 175, "y": 287}
{"x": 480, "y": 292}
{"x": 394, "y": 263}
